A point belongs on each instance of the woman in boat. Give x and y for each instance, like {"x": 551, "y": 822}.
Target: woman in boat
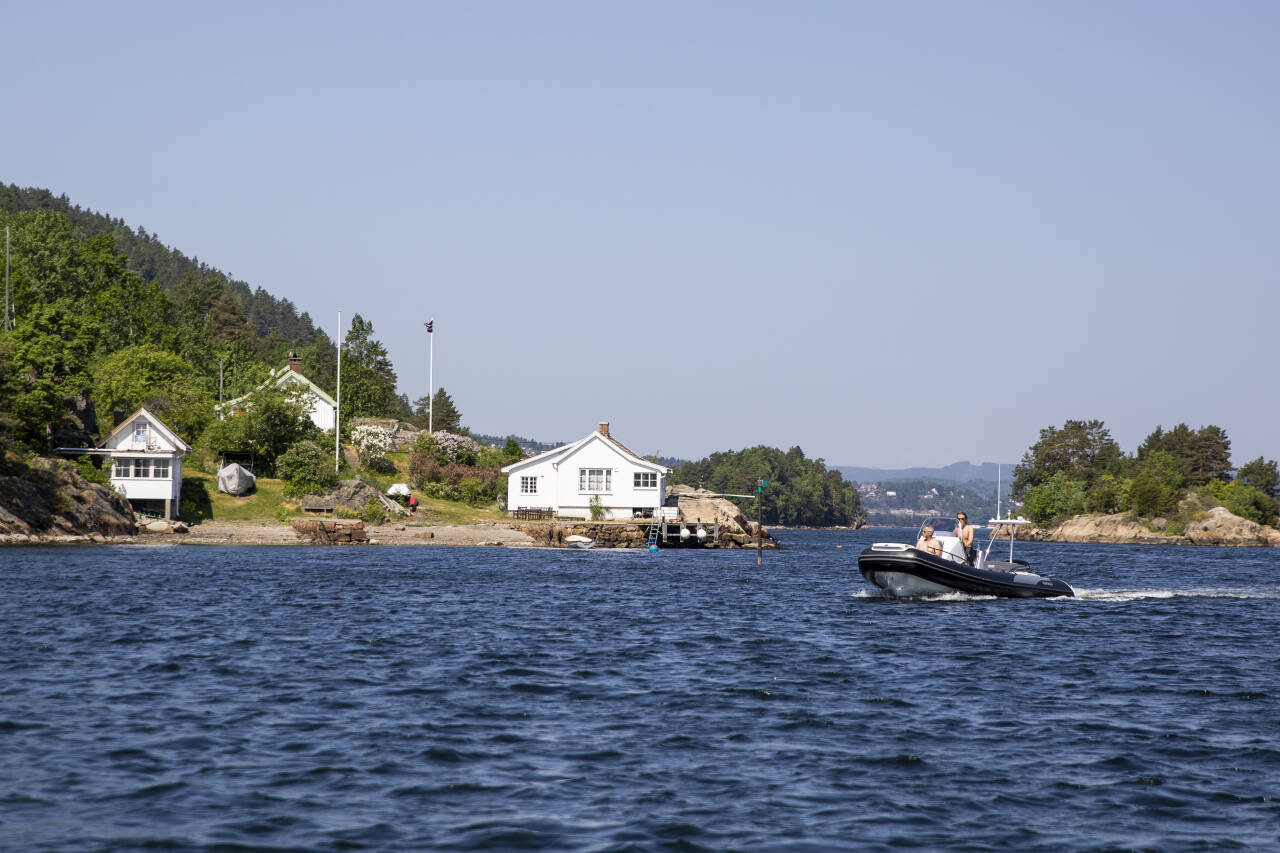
{"x": 927, "y": 543}
{"x": 965, "y": 532}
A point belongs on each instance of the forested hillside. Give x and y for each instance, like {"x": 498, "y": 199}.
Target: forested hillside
{"x": 108, "y": 314}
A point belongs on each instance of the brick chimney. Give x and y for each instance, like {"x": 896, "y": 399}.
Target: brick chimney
{"x": 117, "y": 415}
{"x": 604, "y": 427}
{"x": 295, "y": 363}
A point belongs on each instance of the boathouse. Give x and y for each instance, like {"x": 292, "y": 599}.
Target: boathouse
{"x": 595, "y": 470}
{"x": 146, "y": 463}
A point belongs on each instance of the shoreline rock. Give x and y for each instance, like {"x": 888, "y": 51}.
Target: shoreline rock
{"x": 1213, "y": 527}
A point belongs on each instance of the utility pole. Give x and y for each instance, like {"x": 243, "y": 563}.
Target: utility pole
{"x": 7, "y": 322}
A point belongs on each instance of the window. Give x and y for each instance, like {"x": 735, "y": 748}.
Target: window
{"x": 141, "y": 467}
{"x": 528, "y": 485}
{"x": 140, "y": 432}
{"x": 160, "y": 469}
{"x": 595, "y": 480}
{"x": 124, "y": 466}
{"x": 646, "y": 480}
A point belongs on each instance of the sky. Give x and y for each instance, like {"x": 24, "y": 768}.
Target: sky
{"x": 893, "y": 234}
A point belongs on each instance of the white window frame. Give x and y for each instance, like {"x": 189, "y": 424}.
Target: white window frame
{"x": 528, "y": 485}
{"x": 156, "y": 466}
{"x": 123, "y": 468}
{"x": 645, "y": 480}
{"x": 141, "y": 432}
{"x": 595, "y": 481}
{"x": 141, "y": 468}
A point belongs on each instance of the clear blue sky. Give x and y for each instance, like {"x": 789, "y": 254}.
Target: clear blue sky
{"x": 714, "y": 224}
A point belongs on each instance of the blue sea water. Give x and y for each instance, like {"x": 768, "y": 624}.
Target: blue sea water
{"x": 381, "y": 698}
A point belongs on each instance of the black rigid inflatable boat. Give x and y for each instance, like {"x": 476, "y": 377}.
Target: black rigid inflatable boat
{"x": 906, "y": 572}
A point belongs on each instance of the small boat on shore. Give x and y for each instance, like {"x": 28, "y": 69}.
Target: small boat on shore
{"x": 907, "y": 572}
{"x": 582, "y": 543}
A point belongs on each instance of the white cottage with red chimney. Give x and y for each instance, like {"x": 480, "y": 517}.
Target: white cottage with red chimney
{"x": 322, "y": 408}
{"x": 146, "y": 463}
{"x": 596, "y": 469}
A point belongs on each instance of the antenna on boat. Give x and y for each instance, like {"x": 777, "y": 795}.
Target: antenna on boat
{"x": 998, "y": 484}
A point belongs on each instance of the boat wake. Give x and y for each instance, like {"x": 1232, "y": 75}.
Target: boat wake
{"x": 1141, "y": 594}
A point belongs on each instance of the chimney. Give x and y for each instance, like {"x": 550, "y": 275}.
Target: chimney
{"x": 295, "y": 363}
{"x": 604, "y": 427}
{"x": 117, "y": 417}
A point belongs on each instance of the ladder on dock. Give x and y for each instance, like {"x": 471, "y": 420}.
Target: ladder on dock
{"x": 654, "y": 527}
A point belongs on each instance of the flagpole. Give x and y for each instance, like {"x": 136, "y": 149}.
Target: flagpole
{"x": 337, "y": 408}
{"x": 431, "y": 381}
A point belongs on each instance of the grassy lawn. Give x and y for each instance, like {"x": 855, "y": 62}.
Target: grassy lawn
{"x": 202, "y": 501}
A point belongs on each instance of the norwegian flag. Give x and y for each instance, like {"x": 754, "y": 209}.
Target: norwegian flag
{"x": 429, "y": 324}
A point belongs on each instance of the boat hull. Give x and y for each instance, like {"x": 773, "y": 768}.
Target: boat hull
{"x": 908, "y": 573}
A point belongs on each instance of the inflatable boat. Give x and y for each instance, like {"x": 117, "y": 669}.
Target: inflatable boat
{"x": 906, "y": 572}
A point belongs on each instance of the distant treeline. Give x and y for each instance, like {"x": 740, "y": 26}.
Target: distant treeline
{"x": 801, "y": 492}
{"x": 1079, "y": 468}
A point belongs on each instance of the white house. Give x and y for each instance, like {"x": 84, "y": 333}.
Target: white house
{"x": 320, "y": 406}
{"x": 146, "y": 463}
{"x": 565, "y": 480}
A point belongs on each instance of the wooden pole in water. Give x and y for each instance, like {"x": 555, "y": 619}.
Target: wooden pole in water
{"x": 759, "y": 523}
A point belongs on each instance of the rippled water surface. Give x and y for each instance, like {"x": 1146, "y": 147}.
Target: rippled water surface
{"x": 382, "y": 698}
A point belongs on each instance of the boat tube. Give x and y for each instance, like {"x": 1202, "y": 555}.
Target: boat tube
{"x": 906, "y": 572}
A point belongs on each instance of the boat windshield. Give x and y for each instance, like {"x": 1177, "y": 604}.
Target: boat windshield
{"x": 942, "y": 526}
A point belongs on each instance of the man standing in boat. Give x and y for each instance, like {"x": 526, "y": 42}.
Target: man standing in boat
{"x": 965, "y": 533}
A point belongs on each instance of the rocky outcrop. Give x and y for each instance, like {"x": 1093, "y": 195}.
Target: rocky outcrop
{"x": 352, "y": 495}
{"x": 47, "y": 500}
{"x": 328, "y": 531}
{"x": 1215, "y": 526}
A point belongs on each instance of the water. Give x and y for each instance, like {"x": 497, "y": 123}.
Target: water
{"x": 384, "y": 698}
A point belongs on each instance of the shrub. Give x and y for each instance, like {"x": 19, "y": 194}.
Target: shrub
{"x": 1151, "y": 497}
{"x": 371, "y": 443}
{"x": 1056, "y": 498}
{"x": 1108, "y": 495}
{"x": 92, "y": 474}
{"x": 306, "y": 469}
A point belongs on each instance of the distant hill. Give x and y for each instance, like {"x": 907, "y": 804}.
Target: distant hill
{"x": 957, "y": 472}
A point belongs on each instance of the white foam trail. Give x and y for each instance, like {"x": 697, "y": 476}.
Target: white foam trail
{"x": 1141, "y": 594}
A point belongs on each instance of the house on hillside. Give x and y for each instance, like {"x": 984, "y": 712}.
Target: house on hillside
{"x": 146, "y": 463}
{"x": 322, "y": 408}
{"x": 598, "y": 467}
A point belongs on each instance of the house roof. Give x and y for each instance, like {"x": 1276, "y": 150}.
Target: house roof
{"x": 570, "y": 449}
{"x": 127, "y": 424}
{"x": 278, "y": 379}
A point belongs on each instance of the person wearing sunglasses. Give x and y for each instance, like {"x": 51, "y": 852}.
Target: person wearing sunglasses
{"x": 965, "y": 532}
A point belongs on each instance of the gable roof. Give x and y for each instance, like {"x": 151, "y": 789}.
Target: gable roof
{"x": 279, "y": 378}
{"x": 569, "y": 449}
{"x": 127, "y": 425}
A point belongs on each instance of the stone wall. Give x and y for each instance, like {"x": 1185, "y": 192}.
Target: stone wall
{"x": 329, "y": 531}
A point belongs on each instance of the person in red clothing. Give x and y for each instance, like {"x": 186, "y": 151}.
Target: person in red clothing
{"x": 413, "y": 504}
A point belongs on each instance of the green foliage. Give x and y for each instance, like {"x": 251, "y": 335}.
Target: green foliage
{"x": 597, "y": 511}
{"x": 93, "y": 474}
{"x": 146, "y": 375}
{"x": 801, "y": 491}
{"x": 1083, "y": 450}
{"x": 1261, "y": 474}
{"x": 368, "y": 379}
{"x": 269, "y": 422}
{"x": 1199, "y": 456}
{"x": 445, "y": 417}
{"x": 196, "y": 505}
{"x": 1248, "y": 502}
{"x": 281, "y": 512}
{"x": 1055, "y": 499}
{"x": 1109, "y": 494}
{"x": 306, "y": 469}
